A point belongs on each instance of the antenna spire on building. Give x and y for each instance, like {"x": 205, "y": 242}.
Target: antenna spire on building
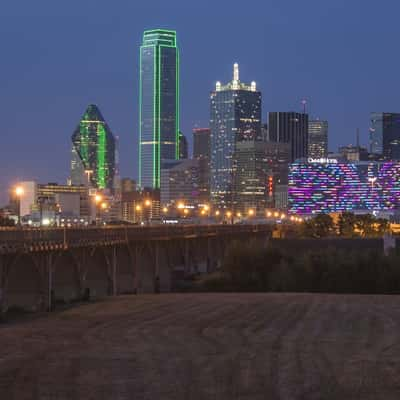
{"x": 236, "y": 72}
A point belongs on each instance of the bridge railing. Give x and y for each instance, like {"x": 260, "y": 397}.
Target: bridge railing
{"x": 16, "y": 237}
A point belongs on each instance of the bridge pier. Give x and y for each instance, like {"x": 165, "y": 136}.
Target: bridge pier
{"x": 39, "y": 267}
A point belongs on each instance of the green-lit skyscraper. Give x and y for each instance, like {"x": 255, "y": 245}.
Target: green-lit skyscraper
{"x": 159, "y": 104}
{"x": 93, "y": 151}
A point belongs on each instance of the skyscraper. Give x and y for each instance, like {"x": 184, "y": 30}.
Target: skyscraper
{"x": 201, "y": 143}
{"x": 252, "y": 174}
{"x": 159, "y": 104}
{"x": 235, "y": 116}
{"x": 201, "y": 152}
{"x": 183, "y": 146}
{"x": 317, "y": 139}
{"x": 385, "y": 135}
{"x": 290, "y": 127}
{"x": 93, "y": 151}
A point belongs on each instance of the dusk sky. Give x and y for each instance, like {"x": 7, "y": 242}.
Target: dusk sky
{"x": 57, "y": 57}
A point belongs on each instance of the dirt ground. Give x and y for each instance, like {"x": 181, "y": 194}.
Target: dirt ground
{"x": 208, "y": 346}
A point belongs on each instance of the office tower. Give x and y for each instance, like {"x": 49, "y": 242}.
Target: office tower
{"x": 183, "y": 147}
{"x": 235, "y": 116}
{"x": 385, "y": 135}
{"x": 180, "y": 182}
{"x": 93, "y": 152}
{"x": 264, "y": 132}
{"x": 128, "y": 185}
{"x": 201, "y": 152}
{"x": 290, "y": 127}
{"x": 159, "y": 104}
{"x": 317, "y": 139}
{"x": 201, "y": 143}
{"x": 353, "y": 153}
{"x": 277, "y": 155}
{"x": 53, "y": 201}
{"x": 251, "y": 177}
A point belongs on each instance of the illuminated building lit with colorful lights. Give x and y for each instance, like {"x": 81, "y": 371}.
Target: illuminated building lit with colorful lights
{"x": 159, "y": 104}
{"x": 93, "y": 160}
{"x": 318, "y": 187}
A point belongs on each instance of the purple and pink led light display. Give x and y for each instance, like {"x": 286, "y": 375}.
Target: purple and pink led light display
{"x": 325, "y": 188}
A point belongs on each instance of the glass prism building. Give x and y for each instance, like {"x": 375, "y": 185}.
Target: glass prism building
{"x": 159, "y": 104}
{"x": 93, "y": 151}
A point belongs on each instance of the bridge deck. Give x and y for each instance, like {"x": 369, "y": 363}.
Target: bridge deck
{"x": 14, "y": 240}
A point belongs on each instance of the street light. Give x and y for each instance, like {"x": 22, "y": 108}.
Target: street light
{"x": 138, "y": 209}
{"x": 147, "y": 204}
{"x": 98, "y": 198}
{"x": 19, "y": 192}
{"x": 251, "y": 212}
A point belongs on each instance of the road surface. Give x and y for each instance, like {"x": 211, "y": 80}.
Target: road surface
{"x": 207, "y": 346}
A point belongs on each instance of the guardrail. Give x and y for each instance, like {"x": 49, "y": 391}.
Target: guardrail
{"x": 27, "y": 239}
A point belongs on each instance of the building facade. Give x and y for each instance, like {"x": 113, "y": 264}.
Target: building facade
{"x": 385, "y": 135}
{"x": 316, "y": 188}
{"x": 180, "y": 182}
{"x": 201, "y": 143}
{"x": 235, "y": 116}
{"x": 159, "y": 104}
{"x": 252, "y": 177}
{"x": 201, "y": 152}
{"x": 317, "y": 138}
{"x": 290, "y": 127}
{"x": 183, "y": 147}
{"x": 93, "y": 160}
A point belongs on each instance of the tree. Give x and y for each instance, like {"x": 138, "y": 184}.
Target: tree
{"x": 365, "y": 224}
{"x": 382, "y": 226}
{"x": 319, "y": 226}
{"x": 346, "y": 224}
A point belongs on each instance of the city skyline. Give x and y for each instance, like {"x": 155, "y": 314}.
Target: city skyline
{"x": 47, "y": 112}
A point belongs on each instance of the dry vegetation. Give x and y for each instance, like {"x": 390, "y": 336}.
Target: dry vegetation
{"x": 208, "y": 346}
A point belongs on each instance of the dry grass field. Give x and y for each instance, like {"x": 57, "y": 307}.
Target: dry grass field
{"x": 207, "y": 346}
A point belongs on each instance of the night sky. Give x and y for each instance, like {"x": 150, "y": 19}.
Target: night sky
{"x": 57, "y": 57}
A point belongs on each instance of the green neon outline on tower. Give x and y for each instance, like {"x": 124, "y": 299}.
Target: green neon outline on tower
{"x": 158, "y": 103}
{"x": 93, "y": 159}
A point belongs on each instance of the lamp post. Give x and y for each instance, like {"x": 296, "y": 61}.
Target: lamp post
{"x": 19, "y": 192}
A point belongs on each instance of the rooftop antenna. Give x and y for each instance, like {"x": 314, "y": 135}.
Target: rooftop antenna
{"x": 304, "y": 104}
{"x": 358, "y": 138}
{"x": 236, "y": 72}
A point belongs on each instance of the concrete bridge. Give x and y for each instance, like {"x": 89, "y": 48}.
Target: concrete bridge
{"x": 39, "y": 267}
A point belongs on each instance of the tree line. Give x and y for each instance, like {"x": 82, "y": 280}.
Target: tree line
{"x": 347, "y": 225}
{"x": 251, "y": 267}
